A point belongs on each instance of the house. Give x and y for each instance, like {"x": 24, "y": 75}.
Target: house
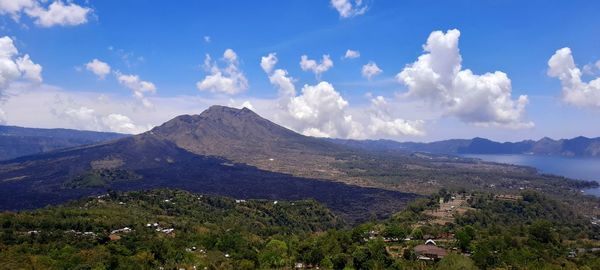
{"x": 114, "y": 237}
{"x": 430, "y": 251}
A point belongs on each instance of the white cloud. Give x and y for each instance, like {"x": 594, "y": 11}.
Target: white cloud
{"x": 88, "y": 119}
{"x": 351, "y": 54}
{"x": 47, "y": 106}
{"x": 370, "y": 70}
{"x": 207, "y": 39}
{"x": 120, "y": 123}
{"x": 382, "y": 124}
{"x": 347, "y": 9}
{"x": 279, "y": 77}
{"x": 14, "y": 7}
{"x": 437, "y": 77}
{"x": 247, "y": 104}
{"x": 30, "y": 70}
{"x": 57, "y": 13}
{"x": 574, "y": 90}
{"x": 139, "y": 87}
{"x": 14, "y": 68}
{"x": 311, "y": 65}
{"x": 101, "y": 69}
{"x": 228, "y": 80}
{"x": 320, "y": 111}
{"x": 268, "y": 62}
{"x": 283, "y": 82}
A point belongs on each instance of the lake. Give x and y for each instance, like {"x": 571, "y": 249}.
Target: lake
{"x": 578, "y": 168}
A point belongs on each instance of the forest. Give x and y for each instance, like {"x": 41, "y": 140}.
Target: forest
{"x": 173, "y": 229}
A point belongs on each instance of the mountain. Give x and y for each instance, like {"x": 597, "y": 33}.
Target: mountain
{"x": 195, "y": 153}
{"x": 576, "y": 147}
{"x": 19, "y": 141}
{"x": 243, "y": 136}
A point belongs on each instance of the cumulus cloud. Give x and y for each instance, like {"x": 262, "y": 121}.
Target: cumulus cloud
{"x": 437, "y": 77}
{"x": 351, "y": 54}
{"x": 349, "y": 8}
{"x": 317, "y": 68}
{"x": 121, "y": 123}
{"x": 268, "y": 62}
{"x": 370, "y": 70}
{"x": 574, "y": 90}
{"x": 227, "y": 80}
{"x": 383, "y": 124}
{"x": 57, "y": 13}
{"x": 279, "y": 77}
{"x": 321, "y": 111}
{"x": 101, "y": 69}
{"x": 14, "y": 67}
{"x": 139, "y": 87}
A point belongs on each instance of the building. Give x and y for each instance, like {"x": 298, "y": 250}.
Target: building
{"x": 430, "y": 251}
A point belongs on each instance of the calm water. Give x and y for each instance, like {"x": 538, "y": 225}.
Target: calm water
{"x": 579, "y": 168}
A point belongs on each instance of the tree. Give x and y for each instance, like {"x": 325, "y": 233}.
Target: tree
{"x": 395, "y": 231}
{"x": 541, "y": 231}
{"x": 456, "y": 262}
{"x": 274, "y": 254}
{"x": 464, "y": 237}
{"x": 417, "y": 233}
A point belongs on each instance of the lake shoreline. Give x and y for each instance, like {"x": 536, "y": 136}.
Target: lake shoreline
{"x": 571, "y": 167}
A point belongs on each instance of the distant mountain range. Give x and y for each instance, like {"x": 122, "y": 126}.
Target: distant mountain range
{"x": 576, "y": 147}
{"x": 19, "y": 141}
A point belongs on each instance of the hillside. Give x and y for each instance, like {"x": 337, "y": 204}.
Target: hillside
{"x": 146, "y": 161}
{"x": 174, "y": 229}
{"x": 161, "y": 224}
{"x": 19, "y": 141}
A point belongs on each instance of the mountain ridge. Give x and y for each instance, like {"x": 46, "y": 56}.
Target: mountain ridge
{"x": 21, "y": 141}
{"x": 576, "y": 147}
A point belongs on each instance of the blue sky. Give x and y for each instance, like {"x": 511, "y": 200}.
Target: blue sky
{"x": 165, "y": 45}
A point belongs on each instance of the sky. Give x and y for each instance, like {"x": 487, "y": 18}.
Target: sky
{"x": 404, "y": 70}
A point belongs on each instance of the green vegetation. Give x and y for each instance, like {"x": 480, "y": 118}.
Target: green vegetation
{"x": 176, "y": 229}
{"x": 101, "y": 178}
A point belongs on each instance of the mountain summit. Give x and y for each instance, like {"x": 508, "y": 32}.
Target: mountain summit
{"x": 243, "y": 136}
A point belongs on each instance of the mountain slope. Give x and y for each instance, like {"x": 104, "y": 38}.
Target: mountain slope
{"x": 148, "y": 161}
{"x": 243, "y": 136}
{"x": 19, "y": 141}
